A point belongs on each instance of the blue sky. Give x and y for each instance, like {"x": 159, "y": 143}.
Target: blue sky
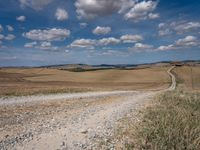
{"x": 47, "y": 32}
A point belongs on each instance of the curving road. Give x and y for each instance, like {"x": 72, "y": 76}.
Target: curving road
{"x": 173, "y": 79}
{"x": 67, "y": 121}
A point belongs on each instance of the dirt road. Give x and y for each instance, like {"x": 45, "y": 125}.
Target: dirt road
{"x": 66, "y": 121}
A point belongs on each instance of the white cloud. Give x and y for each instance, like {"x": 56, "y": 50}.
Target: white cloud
{"x": 141, "y": 10}
{"x": 125, "y": 5}
{"x": 83, "y": 43}
{"x": 178, "y": 27}
{"x": 131, "y": 38}
{"x": 187, "y": 41}
{"x": 109, "y": 41}
{"x": 9, "y": 37}
{"x": 142, "y": 46}
{"x": 53, "y": 34}
{"x": 153, "y": 15}
{"x": 61, "y": 14}
{"x": 47, "y": 46}
{"x": 163, "y": 29}
{"x": 21, "y": 18}
{"x": 93, "y": 8}
{"x": 35, "y": 4}
{"x": 30, "y": 45}
{"x": 138, "y": 47}
{"x": 165, "y": 48}
{"x": 185, "y": 27}
{"x": 1, "y": 28}
{"x": 91, "y": 43}
{"x": 10, "y": 28}
{"x": 133, "y": 9}
{"x": 101, "y": 30}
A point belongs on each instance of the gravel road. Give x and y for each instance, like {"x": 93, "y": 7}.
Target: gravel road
{"x": 66, "y": 121}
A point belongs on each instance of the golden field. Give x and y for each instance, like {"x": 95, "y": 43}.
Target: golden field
{"x": 18, "y": 81}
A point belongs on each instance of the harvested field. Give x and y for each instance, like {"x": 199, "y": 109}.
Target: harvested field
{"x": 18, "y": 81}
{"x": 188, "y": 77}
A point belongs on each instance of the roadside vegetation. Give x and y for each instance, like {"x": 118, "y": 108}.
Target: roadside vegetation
{"x": 172, "y": 123}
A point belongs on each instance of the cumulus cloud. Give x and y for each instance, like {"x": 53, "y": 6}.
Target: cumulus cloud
{"x": 91, "y": 43}
{"x": 21, "y": 18}
{"x": 30, "y": 45}
{"x": 10, "y": 28}
{"x": 142, "y": 46}
{"x": 1, "y": 28}
{"x": 165, "y": 48}
{"x": 93, "y": 8}
{"x": 9, "y": 37}
{"x": 131, "y": 38}
{"x": 53, "y": 34}
{"x": 138, "y": 47}
{"x": 35, "y": 4}
{"x": 126, "y": 5}
{"x": 178, "y": 27}
{"x": 109, "y": 41}
{"x": 131, "y": 9}
{"x": 153, "y": 15}
{"x": 83, "y": 43}
{"x": 163, "y": 29}
{"x": 101, "y": 30}
{"x": 185, "y": 27}
{"x": 141, "y": 11}
{"x": 188, "y": 41}
{"x": 61, "y": 14}
{"x": 45, "y": 45}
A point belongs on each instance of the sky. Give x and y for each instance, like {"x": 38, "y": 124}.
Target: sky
{"x": 49, "y": 32}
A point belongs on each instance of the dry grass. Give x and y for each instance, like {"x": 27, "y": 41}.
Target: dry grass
{"x": 18, "y": 81}
{"x": 188, "y": 77}
{"x": 173, "y": 123}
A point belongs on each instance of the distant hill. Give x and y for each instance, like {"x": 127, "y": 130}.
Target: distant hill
{"x": 83, "y": 67}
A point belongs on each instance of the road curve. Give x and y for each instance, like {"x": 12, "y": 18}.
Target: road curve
{"x": 173, "y": 79}
{"x": 70, "y": 96}
{"x": 67, "y": 121}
